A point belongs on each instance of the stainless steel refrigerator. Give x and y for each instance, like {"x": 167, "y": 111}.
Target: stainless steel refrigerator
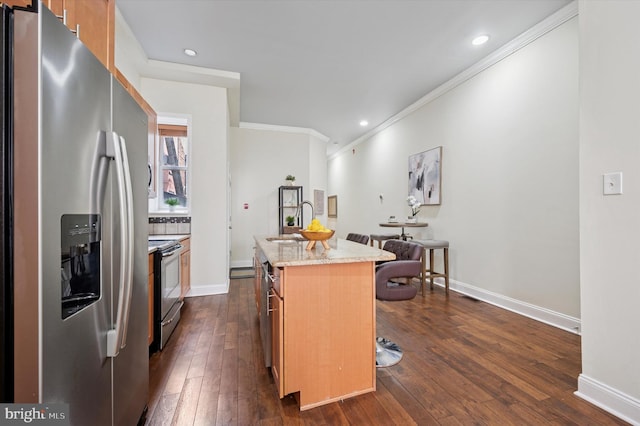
{"x": 6, "y": 237}
{"x": 79, "y": 233}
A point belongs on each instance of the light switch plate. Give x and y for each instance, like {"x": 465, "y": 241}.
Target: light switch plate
{"x": 612, "y": 183}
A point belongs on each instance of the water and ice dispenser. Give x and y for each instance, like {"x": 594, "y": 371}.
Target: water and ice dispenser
{"x": 80, "y": 262}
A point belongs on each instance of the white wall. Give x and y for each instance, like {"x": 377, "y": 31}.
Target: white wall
{"x": 207, "y": 107}
{"x": 129, "y": 55}
{"x": 260, "y": 160}
{"x": 610, "y": 225}
{"x": 509, "y": 184}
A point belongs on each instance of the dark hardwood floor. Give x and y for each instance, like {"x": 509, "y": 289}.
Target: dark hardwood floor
{"x": 465, "y": 363}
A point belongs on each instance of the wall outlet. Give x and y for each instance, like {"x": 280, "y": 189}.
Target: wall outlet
{"x": 612, "y": 183}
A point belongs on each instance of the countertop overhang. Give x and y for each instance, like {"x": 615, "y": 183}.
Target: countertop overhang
{"x": 284, "y": 250}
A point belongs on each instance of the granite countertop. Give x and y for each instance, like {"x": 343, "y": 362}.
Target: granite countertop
{"x": 285, "y": 250}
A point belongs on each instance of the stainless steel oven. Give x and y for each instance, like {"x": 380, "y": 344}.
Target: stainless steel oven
{"x": 167, "y": 289}
{"x": 268, "y": 276}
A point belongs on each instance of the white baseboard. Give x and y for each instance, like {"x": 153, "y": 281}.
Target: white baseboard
{"x": 241, "y": 264}
{"x": 598, "y": 394}
{"x": 537, "y": 313}
{"x": 609, "y": 399}
{"x": 601, "y": 395}
{"x": 207, "y": 290}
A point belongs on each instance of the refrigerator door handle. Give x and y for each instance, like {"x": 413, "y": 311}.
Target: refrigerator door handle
{"x": 116, "y": 336}
{"x": 129, "y": 241}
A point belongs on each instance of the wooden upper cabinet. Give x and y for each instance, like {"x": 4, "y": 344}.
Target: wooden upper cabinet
{"x": 56, "y": 6}
{"x": 185, "y": 267}
{"x": 23, "y": 3}
{"x": 151, "y": 114}
{"x": 133, "y": 92}
{"x": 152, "y": 131}
{"x": 94, "y": 21}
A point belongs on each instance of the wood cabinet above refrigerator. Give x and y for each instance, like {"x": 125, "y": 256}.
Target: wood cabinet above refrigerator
{"x": 93, "y": 20}
{"x": 152, "y": 134}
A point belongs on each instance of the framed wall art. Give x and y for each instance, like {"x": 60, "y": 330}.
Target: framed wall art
{"x": 318, "y": 201}
{"x": 332, "y": 206}
{"x": 425, "y": 170}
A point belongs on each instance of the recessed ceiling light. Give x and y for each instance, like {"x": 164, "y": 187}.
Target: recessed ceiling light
{"x": 481, "y": 39}
{"x": 190, "y": 52}
{"x": 364, "y": 123}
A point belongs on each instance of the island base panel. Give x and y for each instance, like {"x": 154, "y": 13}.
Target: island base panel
{"x": 329, "y": 331}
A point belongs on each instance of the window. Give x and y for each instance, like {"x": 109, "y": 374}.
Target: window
{"x": 174, "y": 166}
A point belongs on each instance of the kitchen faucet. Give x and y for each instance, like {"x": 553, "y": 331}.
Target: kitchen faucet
{"x": 300, "y": 208}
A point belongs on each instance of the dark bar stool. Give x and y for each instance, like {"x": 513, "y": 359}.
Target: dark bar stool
{"x": 406, "y": 266}
{"x": 382, "y": 237}
{"x": 358, "y": 238}
{"x": 432, "y": 245}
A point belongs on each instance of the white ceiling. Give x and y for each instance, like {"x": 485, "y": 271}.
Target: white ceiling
{"x": 327, "y": 64}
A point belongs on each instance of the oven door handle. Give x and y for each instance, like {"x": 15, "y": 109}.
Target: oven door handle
{"x": 172, "y": 252}
{"x": 173, "y": 317}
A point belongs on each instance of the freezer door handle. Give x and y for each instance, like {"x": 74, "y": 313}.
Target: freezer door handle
{"x": 116, "y": 148}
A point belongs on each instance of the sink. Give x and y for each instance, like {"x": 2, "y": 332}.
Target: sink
{"x": 285, "y": 239}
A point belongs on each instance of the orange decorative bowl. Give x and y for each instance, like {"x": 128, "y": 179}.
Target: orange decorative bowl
{"x": 314, "y": 236}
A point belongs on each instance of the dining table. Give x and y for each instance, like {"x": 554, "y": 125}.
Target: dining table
{"x": 403, "y": 225}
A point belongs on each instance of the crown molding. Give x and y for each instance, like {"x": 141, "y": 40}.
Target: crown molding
{"x": 183, "y": 73}
{"x": 285, "y": 129}
{"x": 549, "y": 24}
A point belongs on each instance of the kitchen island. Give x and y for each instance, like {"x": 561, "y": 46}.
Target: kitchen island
{"x": 317, "y": 313}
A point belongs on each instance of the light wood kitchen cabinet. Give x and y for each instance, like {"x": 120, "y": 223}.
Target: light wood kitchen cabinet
{"x": 23, "y": 3}
{"x": 136, "y": 95}
{"x": 93, "y": 20}
{"x": 94, "y": 23}
{"x": 152, "y": 128}
{"x": 323, "y": 331}
{"x": 151, "y": 278}
{"x": 185, "y": 267}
